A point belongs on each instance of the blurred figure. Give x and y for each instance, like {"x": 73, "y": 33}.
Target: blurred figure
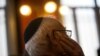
{"x": 43, "y": 38}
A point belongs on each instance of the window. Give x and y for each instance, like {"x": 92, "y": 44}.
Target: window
{"x": 98, "y": 2}
{"x": 87, "y": 31}
{"x": 78, "y": 3}
{"x": 82, "y": 24}
{"x": 3, "y": 36}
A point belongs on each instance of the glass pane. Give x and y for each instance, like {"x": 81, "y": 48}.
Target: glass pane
{"x": 3, "y": 38}
{"x": 87, "y": 31}
{"x": 98, "y": 2}
{"x": 2, "y": 3}
{"x": 78, "y": 3}
{"x": 69, "y": 23}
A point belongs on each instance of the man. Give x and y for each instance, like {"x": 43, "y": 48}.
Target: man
{"x": 43, "y": 37}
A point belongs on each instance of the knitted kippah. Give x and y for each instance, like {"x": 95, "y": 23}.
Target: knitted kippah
{"x": 32, "y": 28}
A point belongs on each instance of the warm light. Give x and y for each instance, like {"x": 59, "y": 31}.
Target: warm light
{"x": 63, "y": 10}
{"x": 25, "y": 10}
{"x": 50, "y": 7}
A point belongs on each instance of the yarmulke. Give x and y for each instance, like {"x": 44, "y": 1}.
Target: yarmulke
{"x": 32, "y": 28}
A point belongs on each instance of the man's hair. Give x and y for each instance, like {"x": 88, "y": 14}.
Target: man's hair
{"x": 42, "y": 39}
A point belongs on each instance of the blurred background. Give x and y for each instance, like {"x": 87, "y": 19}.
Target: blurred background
{"x": 80, "y": 16}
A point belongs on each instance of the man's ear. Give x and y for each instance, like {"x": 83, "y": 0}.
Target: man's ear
{"x": 55, "y": 44}
{"x": 51, "y": 36}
